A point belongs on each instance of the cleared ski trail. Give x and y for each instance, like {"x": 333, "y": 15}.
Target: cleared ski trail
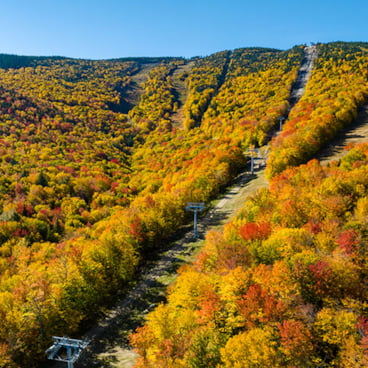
{"x": 304, "y": 73}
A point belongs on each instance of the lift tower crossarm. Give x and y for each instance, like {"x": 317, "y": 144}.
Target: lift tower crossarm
{"x": 66, "y": 350}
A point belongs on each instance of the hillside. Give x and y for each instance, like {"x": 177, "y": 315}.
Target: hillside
{"x": 283, "y": 284}
{"x": 99, "y": 158}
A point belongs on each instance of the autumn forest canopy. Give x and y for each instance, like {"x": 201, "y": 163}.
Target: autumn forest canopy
{"x": 98, "y": 160}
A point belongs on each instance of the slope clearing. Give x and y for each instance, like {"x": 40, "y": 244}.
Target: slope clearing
{"x": 132, "y": 93}
{"x": 355, "y": 134}
{"x": 310, "y": 54}
{"x": 180, "y": 91}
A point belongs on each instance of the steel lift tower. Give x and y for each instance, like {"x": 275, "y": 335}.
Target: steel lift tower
{"x": 252, "y": 152}
{"x": 66, "y": 350}
{"x": 195, "y": 207}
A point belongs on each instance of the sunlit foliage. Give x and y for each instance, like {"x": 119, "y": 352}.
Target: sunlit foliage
{"x": 287, "y": 293}
{"x": 89, "y": 184}
{"x": 337, "y": 88}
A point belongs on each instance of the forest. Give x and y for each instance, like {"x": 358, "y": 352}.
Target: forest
{"x": 88, "y": 190}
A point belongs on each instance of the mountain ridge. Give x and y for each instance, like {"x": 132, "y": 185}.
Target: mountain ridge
{"x": 89, "y": 189}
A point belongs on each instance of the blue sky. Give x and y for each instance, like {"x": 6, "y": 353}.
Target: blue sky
{"x": 120, "y": 28}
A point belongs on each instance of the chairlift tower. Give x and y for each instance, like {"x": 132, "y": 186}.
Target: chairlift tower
{"x": 195, "y": 207}
{"x": 66, "y": 350}
{"x": 281, "y": 119}
{"x": 252, "y": 153}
